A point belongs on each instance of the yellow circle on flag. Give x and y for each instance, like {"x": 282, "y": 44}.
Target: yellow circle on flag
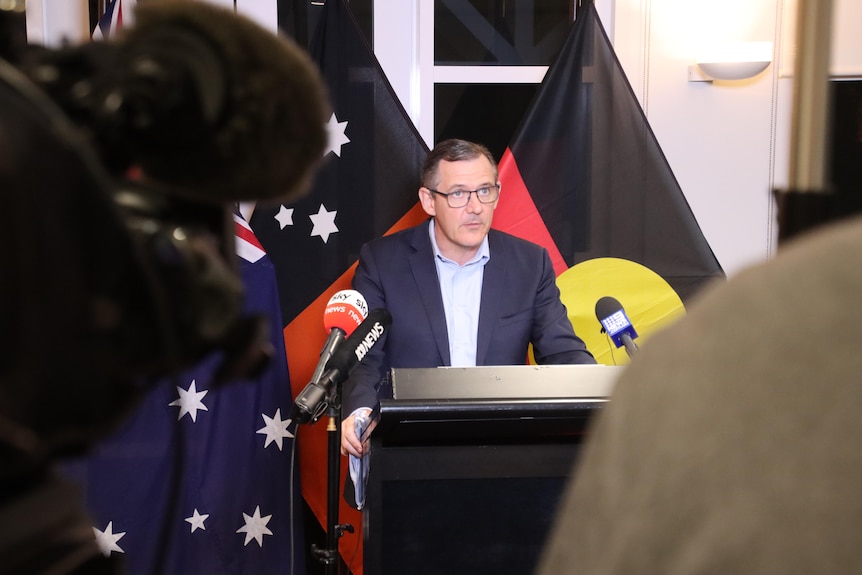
{"x": 648, "y": 300}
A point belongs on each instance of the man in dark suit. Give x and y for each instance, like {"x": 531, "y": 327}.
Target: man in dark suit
{"x": 460, "y": 294}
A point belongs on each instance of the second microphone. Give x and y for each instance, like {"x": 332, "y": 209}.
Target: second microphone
{"x": 311, "y": 403}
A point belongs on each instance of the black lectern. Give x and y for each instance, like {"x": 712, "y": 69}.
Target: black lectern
{"x": 467, "y": 465}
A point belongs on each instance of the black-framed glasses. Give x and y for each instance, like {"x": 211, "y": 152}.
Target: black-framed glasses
{"x": 460, "y": 198}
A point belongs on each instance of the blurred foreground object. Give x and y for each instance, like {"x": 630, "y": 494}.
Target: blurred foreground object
{"x": 731, "y": 445}
{"x": 200, "y": 99}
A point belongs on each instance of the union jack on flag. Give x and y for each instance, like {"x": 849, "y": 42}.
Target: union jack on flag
{"x": 112, "y": 19}
{"x": 247, "y": 246}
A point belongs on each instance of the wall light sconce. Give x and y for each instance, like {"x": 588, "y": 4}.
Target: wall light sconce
{"x": 731, "y": 62}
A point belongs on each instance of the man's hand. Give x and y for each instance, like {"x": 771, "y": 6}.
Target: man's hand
{"x": 349, "y": 441}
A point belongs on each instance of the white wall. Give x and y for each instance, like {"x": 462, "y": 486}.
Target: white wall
{"x": 51, "y": 22}
{"x": 720, "y": 138}
{"x": 727, "y": 143}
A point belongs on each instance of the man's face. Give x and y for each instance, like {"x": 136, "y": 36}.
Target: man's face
{"x": 460, "y": 231}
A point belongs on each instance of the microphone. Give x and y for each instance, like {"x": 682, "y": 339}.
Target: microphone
{"x": 344, "y": 313}
{"x": 616, "y": 323}
{"x": 197, "y": 98}
{"x": 311, "y": 403}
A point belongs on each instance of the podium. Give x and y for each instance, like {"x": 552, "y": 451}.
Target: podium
{"x": 467, "y": 465}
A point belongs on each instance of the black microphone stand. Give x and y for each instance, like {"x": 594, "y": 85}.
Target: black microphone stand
{"x": 328, "y": 555}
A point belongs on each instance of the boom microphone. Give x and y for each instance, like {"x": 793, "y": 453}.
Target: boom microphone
{"x": 616, "y": 323}
{"x": 343, "y": 314}
{"x": 198, "y": 98}
{"x": 311, "y": 403}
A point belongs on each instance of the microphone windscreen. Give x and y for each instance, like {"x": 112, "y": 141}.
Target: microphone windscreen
{"x": 345, "y": 310}
{"x": 606, "y": 307}
{"x": 258, "y": 97}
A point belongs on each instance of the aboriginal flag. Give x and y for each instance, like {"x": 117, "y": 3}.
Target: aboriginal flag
{"x": 585, "y": 177}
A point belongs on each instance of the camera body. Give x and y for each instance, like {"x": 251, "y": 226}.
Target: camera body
{"x": 109, "y": 282}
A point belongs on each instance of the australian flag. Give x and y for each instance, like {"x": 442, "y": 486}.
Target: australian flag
{"x": 112, "y": 19}
{"x": 202, "y": 479}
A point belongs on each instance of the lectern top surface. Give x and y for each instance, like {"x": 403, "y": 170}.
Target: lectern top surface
{"x": 504, "y": 382}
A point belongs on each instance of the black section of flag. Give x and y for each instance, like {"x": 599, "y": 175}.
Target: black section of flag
{"x": 596, "y": 172}
{"x": 369, "y": 182}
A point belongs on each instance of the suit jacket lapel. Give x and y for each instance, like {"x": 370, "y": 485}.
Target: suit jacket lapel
{"x": 492, "y": 298}
{"x": 427, "y": 285}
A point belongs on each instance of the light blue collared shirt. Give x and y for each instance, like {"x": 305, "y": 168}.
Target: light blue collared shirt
{"x": 461, "y": 287}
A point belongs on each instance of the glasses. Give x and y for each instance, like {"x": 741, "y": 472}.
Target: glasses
{"x": 460, "y": 198}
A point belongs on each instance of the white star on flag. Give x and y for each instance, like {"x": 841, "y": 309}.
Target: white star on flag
{"x": 197, "y": 521}
{"x": 190, "y": 401}
{"x": 107, "y": 539}
{"x": 336, "y": 136}
{"x": 324, "y": 223}
{"x": 284, "y": 217}
{"x": 255, "y": 527}
{"x": 275, "y": 429}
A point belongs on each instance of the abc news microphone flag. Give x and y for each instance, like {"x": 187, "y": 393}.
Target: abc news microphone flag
{"x": 585, "y": 177}
{"x": 203, "y": 479}
{"x": 365, "y": 188}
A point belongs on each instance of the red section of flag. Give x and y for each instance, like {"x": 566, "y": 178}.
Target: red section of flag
{"x": 366, "y": 183}
{"x": 368, "y": 177}
{"x": 303, "y": 338}
{"x": 516, "y": 212}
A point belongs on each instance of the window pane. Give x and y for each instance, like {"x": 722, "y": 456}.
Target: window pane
{"x": 499, "y": 32}
{"x": 484, "y": 113}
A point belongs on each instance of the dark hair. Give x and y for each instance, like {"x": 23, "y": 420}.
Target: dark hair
{"x": 452, "y": 150}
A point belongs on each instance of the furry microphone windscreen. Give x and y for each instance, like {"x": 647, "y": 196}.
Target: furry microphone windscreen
{"x": 217, "y": 107}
